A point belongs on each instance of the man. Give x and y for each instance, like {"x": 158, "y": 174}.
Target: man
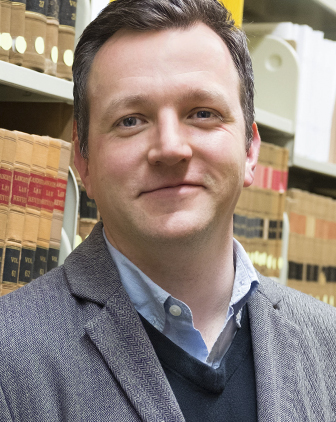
{"x": 159, "y": 315}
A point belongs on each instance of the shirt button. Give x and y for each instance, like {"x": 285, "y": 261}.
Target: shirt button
{"x": 175, "y": 310}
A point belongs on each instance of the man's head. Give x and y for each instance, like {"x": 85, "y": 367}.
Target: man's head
{"x": 149, "y": 15}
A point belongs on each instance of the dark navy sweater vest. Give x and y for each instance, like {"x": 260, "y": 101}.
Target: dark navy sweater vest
{"x": 206, "y": 394}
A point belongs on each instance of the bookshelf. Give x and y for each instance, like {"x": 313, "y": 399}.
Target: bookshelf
{"x": 33, "y": 102}
{"x": 277, "y": 73}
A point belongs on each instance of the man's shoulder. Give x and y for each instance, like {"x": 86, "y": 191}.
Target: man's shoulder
{"x": 47, "y": 289}
{"x": 301, "y": 308}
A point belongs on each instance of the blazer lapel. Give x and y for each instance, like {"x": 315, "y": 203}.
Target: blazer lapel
{"x": 118, "y": 333}
{"x": 275, "y": 339}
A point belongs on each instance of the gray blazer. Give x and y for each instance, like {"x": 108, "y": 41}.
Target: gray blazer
{"x": 72, "y": 348}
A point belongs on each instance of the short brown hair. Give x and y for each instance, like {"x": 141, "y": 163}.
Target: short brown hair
{"x": 146, "y": 15}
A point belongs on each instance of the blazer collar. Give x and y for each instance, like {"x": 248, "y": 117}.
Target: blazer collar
{"x": 275, "y": 338}
{"x": 118, "y": 333}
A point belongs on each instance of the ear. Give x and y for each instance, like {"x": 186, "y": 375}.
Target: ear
{"x": 81, "y": 163}
{"x": 252, "y": 157}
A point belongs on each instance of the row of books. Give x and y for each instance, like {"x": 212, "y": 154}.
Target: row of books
{"x": 316, "y": 111}
{"x": 258, "y": 217}
{"x": 33, "y": 181}
{"x": 88, "y": 214}
{"x": 312, "y": 243}
{"x": 39, "y": 34}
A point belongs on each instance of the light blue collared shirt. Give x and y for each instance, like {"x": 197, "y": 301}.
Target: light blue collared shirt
{"x": 173, "y": 317}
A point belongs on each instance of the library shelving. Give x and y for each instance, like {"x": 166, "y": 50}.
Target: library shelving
{"x": 277, "y": 72}
{"x": 37, "y": 103}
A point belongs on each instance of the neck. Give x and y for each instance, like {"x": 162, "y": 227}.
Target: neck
{"x": 200, "y": 274}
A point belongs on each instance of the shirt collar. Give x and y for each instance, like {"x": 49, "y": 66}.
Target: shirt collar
{"x": 148, "y": 298}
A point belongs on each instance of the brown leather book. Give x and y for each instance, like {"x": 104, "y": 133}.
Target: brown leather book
{"x": 17, "y": 208}
{"x": 17, "y": 31}
{"x": 66, "y": 38}
{"x": 51, "y": 53}
{"x": 47, "y": 207}
{"x": 35, "y": 34}
{"x": 5, "y": 19}
{"x": 33, "y": 209}
{"x": 59, "y": 203}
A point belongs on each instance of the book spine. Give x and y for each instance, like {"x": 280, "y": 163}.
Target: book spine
{"x": 6, "y": 176}
{"x": 17, "y": 29}
{"x": 66, "y": 38}
{"x": 17, "y": 207}
{"x": 47, "y": 207}
{"x": 33, "y": 210}
{"x": 6, "y": 39}
{"x": 59, "y": 204}
{"x": 35, "y": 34}
{"x": 51, "y": 53}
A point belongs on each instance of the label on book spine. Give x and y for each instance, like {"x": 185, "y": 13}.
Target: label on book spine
{"x": 53, "y": 9}
{"x": 26, "y": 265}
{"x": 53, "y": 256}
{"x": 35, "y": 191}
{"x": 60, "y": 192}
{"x": 88, "y": 207}
{"x": 67, "y": 13}
{"x": 41, "y": 260}
{"x": 11, "y": 264}
{"x": 20, "y": 188}
{"x": 48, "y": 193}
{"x": 37, "y": 6}
{"x": 5, "y": 185}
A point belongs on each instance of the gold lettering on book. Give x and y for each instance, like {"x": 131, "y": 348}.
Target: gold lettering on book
{"x": 43, "y": 258}
{"x": 19, "y": 199}
{"x": 73, "y": 3}
{"x": 28, "y": 260}
{"x": 13, "y": 273}
{"x": 5, "y": 177}
{"x": 4, "y": 188}
{"x": 54, "y": 258}
{"x": 14, "y": 260}
{"x": 18, "y": 178}
{"x": 37, "y": 191}
{"x": 27, "y": 273}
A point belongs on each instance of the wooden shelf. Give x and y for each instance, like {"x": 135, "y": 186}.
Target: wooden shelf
{"x": 25, "y": 85}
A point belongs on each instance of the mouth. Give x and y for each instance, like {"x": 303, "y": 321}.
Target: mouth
{"x": 178, "y": 188}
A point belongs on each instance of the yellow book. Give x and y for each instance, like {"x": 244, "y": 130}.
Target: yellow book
{"x": 236, "y": 8}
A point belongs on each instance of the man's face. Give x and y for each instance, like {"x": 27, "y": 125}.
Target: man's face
{"x": 167, "y": 155}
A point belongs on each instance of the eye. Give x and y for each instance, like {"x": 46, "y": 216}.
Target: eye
{"x": 129, "y": 121}
{"x": 204, "y": 114}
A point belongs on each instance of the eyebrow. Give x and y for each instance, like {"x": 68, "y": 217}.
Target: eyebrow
{"x": 192, "y": 95}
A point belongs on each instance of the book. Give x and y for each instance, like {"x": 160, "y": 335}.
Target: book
{"x": 6, "y": 39}
{"x": 16, "y": 209}
{"x": 47, "y": 207}
{"x": 66, "y": 38}
{"x": 33, "y": 209}
{"x": 6, "y": 177}
{"x": 312, "y": 244}
{"x": 88, "y": 213}
{"x": 35, "y": 34}
{"x": 17, "y": 31}
{"x": 51, "y": 53}
{"x": 59, "y": 203}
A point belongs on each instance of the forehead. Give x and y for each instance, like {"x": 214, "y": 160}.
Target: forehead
{"x": 196, "y": 52}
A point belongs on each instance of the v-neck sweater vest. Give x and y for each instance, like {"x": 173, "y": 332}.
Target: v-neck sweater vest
{"x": 227, "y": 393}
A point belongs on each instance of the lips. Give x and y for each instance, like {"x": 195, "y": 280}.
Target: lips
{"x": 173, "y": 186}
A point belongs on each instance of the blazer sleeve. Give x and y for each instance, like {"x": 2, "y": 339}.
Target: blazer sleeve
{"x": 4, "y": 409}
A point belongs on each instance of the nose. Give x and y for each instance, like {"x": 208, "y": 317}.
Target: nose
{"x": 170, "y": 144}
